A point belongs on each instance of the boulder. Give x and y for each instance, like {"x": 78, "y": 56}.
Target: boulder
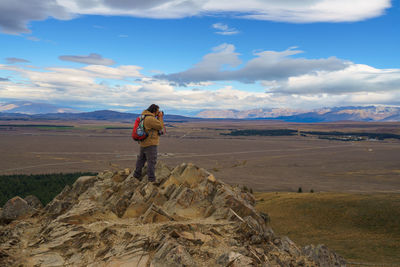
{"x": 16, "y": 208}
{"x": 324, "y": 256}
{"x": 34, "y": 202}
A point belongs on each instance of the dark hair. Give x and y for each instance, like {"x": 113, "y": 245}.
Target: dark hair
{"x": 153, "y": 108}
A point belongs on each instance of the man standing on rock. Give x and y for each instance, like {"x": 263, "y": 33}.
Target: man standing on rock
{"x": 153, "y": 124}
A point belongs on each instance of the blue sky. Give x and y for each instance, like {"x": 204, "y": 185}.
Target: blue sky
{"x": 194, "y": 55}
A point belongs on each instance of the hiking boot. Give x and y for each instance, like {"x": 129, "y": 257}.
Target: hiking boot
{"x": 138, "y": 177}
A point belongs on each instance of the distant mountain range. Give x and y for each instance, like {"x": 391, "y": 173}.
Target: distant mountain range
{"x": 369, "y": 113}
{"x": 27, "y": 107}
{"x": 106, "y": 115}
{"x": 24, "y": 110}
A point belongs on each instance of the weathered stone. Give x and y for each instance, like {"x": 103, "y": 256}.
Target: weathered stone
{"x": 171, "y": 254}
{"x": 34, "y": 202}
{"x": 105, "y": 175}
{"x": 188, "y": 174}
{"x": 155, "y": 214}
{"x": 16, "y": 208}
{"x": 82, "y": 184}
{"x": 121, "y": 206}
{"x": 323, "y": 256}
{"x": 119, "y": 177}
{"x": 196, "y": 237}
{"x": 48, "y": 260}
{"x": 234, "y": 259}
{"x": 289, "y": 246}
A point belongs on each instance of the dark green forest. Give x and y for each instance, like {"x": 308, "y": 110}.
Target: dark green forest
{"x": 43, "y": 186}
{"x": 288, "y": 132}
{"x": 277, "y": 132}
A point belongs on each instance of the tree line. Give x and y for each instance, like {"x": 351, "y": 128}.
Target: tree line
{"x": 43, "y": 186}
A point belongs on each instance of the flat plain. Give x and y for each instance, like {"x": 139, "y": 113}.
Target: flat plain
{"x": 354, "y": 207}
{"x": 264, "y": 163}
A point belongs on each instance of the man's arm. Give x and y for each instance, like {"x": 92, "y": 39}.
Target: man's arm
{"x": 154, "y": 123}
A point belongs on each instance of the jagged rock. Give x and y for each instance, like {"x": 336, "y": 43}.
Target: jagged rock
{"x": 187, "y": 218}
{"x": 16, "y": 208}
{"x": 234, "y": 259}
{"x": 34, "y": 202}
{"x": 323, "y": 256}
{"x": 172, "y": 255}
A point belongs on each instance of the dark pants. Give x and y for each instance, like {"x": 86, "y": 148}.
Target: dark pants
{"x": 148, "y": 154}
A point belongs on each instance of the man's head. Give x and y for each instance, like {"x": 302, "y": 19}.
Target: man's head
{"x": 153, "y": 109}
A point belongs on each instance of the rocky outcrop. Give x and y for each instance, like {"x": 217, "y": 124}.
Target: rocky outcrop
{"x": 186, "y": 218}
{"x": 16, "y": 208}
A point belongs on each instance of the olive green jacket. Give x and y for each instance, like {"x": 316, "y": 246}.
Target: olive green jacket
{"x": 151, "y": 125}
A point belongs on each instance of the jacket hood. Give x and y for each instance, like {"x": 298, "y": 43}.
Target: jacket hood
{"x": 147, "y": 113}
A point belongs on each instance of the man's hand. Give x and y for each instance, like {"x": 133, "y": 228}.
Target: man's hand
{"x": 160, "y": 114}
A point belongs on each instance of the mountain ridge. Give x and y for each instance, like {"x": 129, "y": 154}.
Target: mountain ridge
{"x": 37, "y": 111}
{"x": 352, "y": 113}
{"x": 31, "y": 108}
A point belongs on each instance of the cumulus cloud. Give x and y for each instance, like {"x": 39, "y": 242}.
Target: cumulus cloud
{"x": 322, "y": 11}
{"x": 12, "y": 60}
{"x": 16, "y": 14}
{"x": 92, "y": 59}
{"x": 86, "y": 85}
{"x": 267, "y": 65}
{"x": 354, "y": 78}
{"x": 306, "y": 83}
{"x": 224, "y": 29}
{"x": 209, "y": 69}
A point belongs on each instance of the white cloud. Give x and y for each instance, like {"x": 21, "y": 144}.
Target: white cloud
{"x": 224, "y": 29}
{"x": 266, "y": 65}
{"x": 92, "y": 59}
{"x": 209, "y": 69}
{"x": 322, "y": 11}
{"x": 85, "y": 85}
{"x": 304, "y": 83}
{"x": 16, "y": 14}
{"x": 354, "y": 78}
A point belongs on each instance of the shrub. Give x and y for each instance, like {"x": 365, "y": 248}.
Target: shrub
{"x": 299, "y": 190}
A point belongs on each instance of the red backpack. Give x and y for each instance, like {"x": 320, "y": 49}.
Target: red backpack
{"x": 138, "y": 132}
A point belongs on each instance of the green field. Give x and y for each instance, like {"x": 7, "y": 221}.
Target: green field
{"x": 363, "y": 228}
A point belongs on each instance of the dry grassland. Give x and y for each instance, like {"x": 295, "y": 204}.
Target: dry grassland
{"x": 364, "y": 228}
{"x": 262, "y": 163}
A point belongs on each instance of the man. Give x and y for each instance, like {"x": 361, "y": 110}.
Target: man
{"x": 153, "y": 123}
